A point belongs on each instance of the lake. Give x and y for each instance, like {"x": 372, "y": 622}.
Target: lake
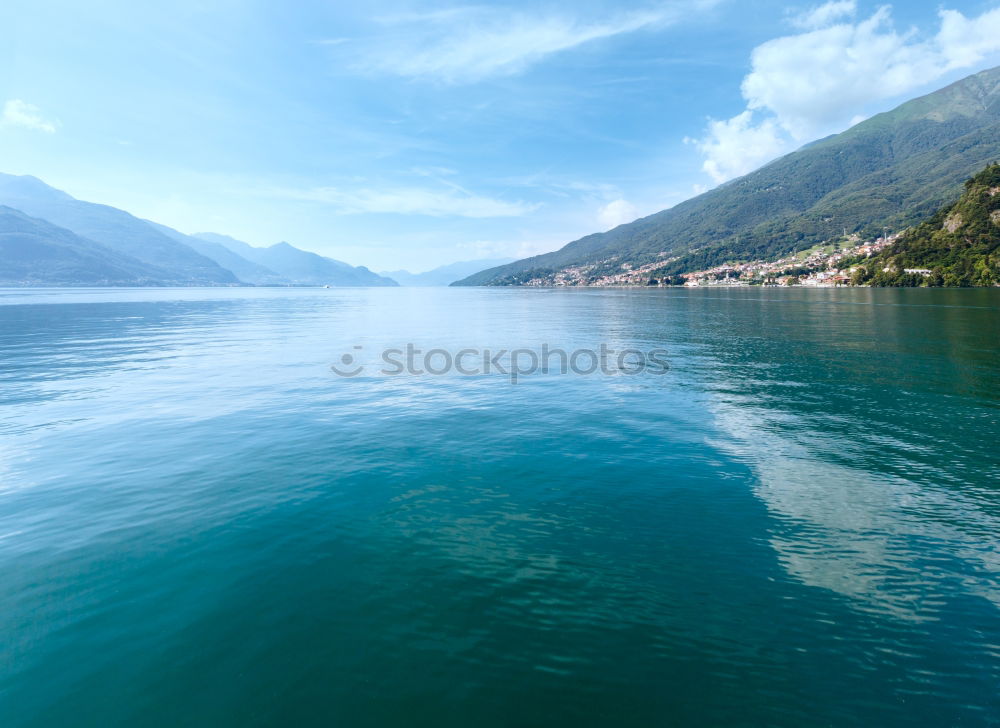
{"x": 794, "y": 520}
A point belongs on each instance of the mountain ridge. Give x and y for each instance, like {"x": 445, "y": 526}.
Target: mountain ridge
{"x": 297, "y": 266}
{"x": 893, "y": 169}
{"x": 115, "y": 229}
{"x": 72, "y": 239}
{"x": 36, "y": 252}
{"x": 245, "y": 270}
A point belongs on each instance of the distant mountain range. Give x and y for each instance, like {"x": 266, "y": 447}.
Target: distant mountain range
{"x": 115, "y": 229}
{"x": 48, "y": 238}
{"x": 244, "y": 269}
{"x": 444, "y": 275}
{"x": 892, "y": 170}
{"x": 299, "y": 267}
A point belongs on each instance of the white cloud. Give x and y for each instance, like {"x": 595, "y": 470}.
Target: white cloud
{"x": 965, "y": 41}
{"x": 811, "y": 79}
{"x": 737, "y": 146}
{"x": 465, "y": 45}
{"x": 18, "y": 113}
{"x": 453, "y": 202}
{"x": 615, "y": 213}
{"x": 804, "y": 86}
{"x": 824, "y": 15}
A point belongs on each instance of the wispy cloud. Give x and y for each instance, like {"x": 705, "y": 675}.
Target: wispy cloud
{"x": 562, "y": 187}
{"x": 466, "y": 45}
{"x": 451, "y": 202}
{"x": 509, "y": 248}
{"x": 611, "y": 208}
{"x": 18, "y": 113}
{"x": 826, "y": 14}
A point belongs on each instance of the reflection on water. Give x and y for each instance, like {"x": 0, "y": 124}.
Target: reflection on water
{"x": 876, "y": 485}
{"x": 200, "y": 524}
{"x": 885, "y": 541}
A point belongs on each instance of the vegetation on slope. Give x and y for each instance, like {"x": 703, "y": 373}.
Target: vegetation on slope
{"x": 960, "y": 245}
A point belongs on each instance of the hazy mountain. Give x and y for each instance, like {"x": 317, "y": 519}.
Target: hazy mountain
{"x": 892, "y": 170}
{"x": 247, "y": 271}
{"x": 300, "y": 267}
{"x": 960, "y": 245}
{"x": 64, "y": 240}
{"x": 34, "y": 252}
{"x": 444, "y": 275}
{"x": 113, "y": 228}
{"x": 244, "y": 250}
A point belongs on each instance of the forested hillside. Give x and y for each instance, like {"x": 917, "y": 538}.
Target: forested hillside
{"x": 959, "y": 246}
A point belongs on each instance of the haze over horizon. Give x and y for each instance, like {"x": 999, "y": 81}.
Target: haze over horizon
{"x": 412, "y": 135}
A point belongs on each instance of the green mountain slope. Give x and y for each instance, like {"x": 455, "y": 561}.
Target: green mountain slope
{"x": 34, "y": 252}
{"x": 891, "y": 170}
{"x": 960, "y": 245}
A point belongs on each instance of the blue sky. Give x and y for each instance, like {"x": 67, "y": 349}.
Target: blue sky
{"x": 413, "y": 134}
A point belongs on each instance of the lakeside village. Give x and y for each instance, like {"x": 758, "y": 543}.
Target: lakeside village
{"x": 816, "y": 267}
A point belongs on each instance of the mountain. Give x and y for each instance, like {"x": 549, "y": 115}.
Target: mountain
{"x": 892, "y": 170}
{"x": 52, "y": 238}
{"x": 246, "y": 270}
{"x": 300, "y": 267}
{"x": 115, "y": 229}
{"x": 34, "y": 252}
{"x": 958, "y": 246}
{"x": 444, "y": 275}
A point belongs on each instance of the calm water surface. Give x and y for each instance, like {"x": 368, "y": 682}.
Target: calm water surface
{"x": 797, "y": 525}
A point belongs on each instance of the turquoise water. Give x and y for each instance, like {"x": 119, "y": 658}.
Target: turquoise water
{"x": 797, "y": 524}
